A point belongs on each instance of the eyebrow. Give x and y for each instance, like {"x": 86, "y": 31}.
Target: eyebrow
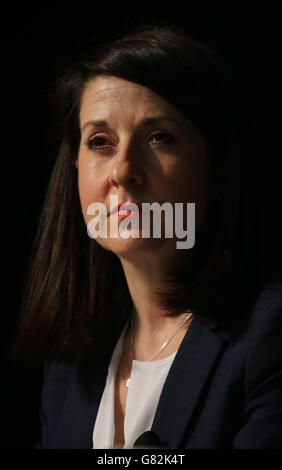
{"x": 144, "y": 122}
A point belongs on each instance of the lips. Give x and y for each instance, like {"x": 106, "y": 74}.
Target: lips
{"x": 127, "y": 208}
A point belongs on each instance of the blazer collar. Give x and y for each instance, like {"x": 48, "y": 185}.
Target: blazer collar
{"x": 190, "y": 371}
{"x": 184, "y": 385}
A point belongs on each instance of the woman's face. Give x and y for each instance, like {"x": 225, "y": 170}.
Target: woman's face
{"x": 138, "y": 147}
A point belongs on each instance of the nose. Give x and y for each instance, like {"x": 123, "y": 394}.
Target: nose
{"x": 126, "y": 170}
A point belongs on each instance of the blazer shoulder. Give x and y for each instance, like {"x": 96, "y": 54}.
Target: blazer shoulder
{"x": 265, "y": 334}
{"x": 267, "y": 308}
{"x": 263, "y": 373}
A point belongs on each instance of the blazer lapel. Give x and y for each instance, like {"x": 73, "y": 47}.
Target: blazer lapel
{"x": 185, "y": 383}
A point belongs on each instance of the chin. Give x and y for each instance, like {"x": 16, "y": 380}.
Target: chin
{"x": 130, "y": 246}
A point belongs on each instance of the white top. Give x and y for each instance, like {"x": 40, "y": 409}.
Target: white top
{"x": 146, "y": 383}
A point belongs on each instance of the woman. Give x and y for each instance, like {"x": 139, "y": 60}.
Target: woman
{"x": 141, "y": 339}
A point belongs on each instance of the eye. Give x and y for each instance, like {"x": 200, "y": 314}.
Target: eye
{"x": 96, "y": 141}
{"x": 162, "y": 137}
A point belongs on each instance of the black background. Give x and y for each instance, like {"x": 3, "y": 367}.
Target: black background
{"x": 33, "y": 41}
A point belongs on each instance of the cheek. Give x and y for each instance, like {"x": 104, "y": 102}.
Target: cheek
{"x": 189, "y": 171}
{"x": 191, "y": 182}
{"x": 194, "y": 185}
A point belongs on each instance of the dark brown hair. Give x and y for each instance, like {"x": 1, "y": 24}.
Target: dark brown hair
{"x": 76, "y": 295}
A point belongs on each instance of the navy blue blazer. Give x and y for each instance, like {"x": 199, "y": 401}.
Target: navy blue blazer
{"x": 223, "y": 390}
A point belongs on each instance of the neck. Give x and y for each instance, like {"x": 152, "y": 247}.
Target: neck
{"x": 148, "y": 316}
{"x": 150, "y": 322}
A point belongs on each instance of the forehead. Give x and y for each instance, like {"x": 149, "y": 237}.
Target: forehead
{"x": 107, "y": 97}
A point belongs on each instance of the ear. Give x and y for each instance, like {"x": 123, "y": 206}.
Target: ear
{"x": 76, "y": 163}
